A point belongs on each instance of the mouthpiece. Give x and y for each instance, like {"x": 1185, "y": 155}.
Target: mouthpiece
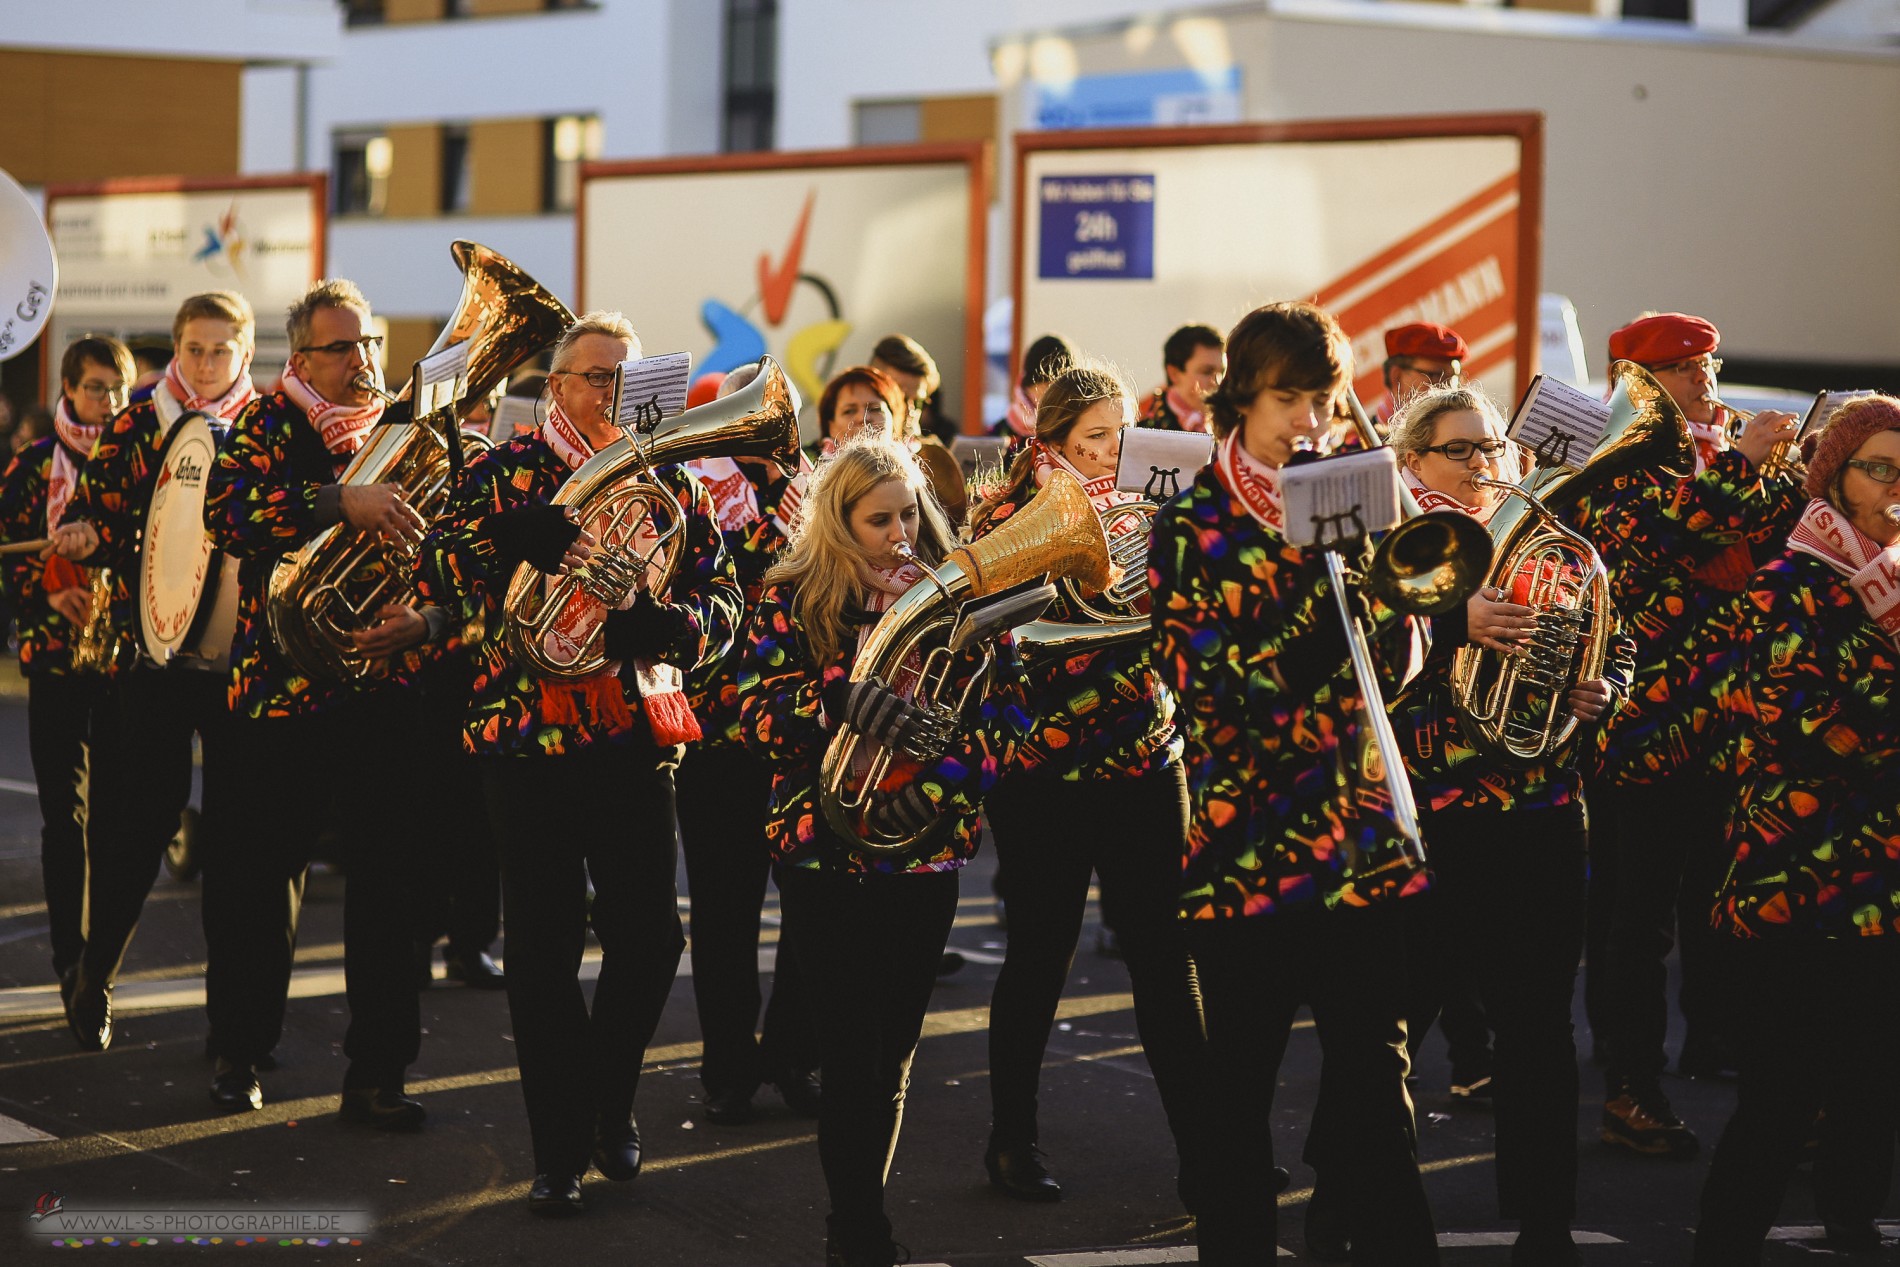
{"x": 1893, "y": 514}
{"x": 366, "y": 383}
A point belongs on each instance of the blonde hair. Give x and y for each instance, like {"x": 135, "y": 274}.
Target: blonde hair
{"x": 331, "y": 292}
{"x": 217, "y": 305}
{"x": 600, "y": 321}
{"x": 1413, "y": 424}
{"x": 1072, "y": 393}
{"x": 824, "y": 557}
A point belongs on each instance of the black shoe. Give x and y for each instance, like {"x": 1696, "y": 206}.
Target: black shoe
{"x": 950, "y": 964}
{"x": 555, "y": 1196}
{"x": 1857, "y": 1237}
{"x": 1544, "y": 1247}
{"x": 730, "y": 1108}
{"x": 1018, "y": 1171}
{"x": 477, "y": 970}
{"x": 235, "y": 1087}
{"x": 617, "y": 1152}
{"x": 1703, "y": 1058}
{"x": 68, "y": 978}
{"x": 266, "y": 1063}
{"x": 862, "y": 1246}
{"x": 1328, "y": 1238}
{"x": 803, "y": 1093}
{"x": 384, "y": 1108}
{"x": 89, "y": 1014}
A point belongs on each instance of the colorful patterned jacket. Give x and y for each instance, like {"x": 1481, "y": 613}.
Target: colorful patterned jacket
{"x": 263, "y": 500}
{"x": 1157, "y": 413}
{"x": 512, "y": 712}
{"x": 1676, "y": 550}
{"x": 1101, "y": 714}
{"x": 781, "y": 691}
{"x": 1816, "y": 835}
{"x": 1274, "y": 812}
{"x": 713, "y": 690}
{"x": 45, "y": 635}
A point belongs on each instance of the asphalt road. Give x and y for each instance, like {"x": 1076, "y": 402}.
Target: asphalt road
{"x": 131, "y": 1128}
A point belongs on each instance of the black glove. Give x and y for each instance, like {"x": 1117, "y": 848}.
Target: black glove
{"x": 537, "y": 534}
{"x": 904, "y": 814}
{"x": 1314, "y": 658}
{"x": 645, "y": 631}
{"x": 880, "y": 715}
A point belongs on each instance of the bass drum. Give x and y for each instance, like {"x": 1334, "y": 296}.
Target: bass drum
{"x": 188, "y": 591}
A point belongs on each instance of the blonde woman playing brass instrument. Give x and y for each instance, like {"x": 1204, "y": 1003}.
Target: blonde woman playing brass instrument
{"x": 1506, "y": 841}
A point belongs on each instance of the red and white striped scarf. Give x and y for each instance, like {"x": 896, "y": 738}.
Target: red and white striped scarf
{"x": 1103, "y": 494}
{"x": 228, "y": 406}
{"x": 342, "y": 428}
{"x": 1251, "y": 482}
{"x": 660, "y": 685}
{"x": 1429, "y": 499}
{"x": 1022, "y": 413}
{"x": 1711, "y": 441}
{"x": 1190, "y": 418}
{"x": 736, "y": 500}
{"x": 74, "y": 437}
{"x": 1871, "y": 568}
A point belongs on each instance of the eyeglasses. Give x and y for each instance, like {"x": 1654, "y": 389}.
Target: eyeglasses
{"x": 1461, "y": 450}
{"x": 595, "y": 378}
{"x": 1708, "y": 364}
{"x": 370, "y": 344}
{"x": 1447, "y": 375}
{"x": 105, "y": 391}
{"x": 1883, "y": 473}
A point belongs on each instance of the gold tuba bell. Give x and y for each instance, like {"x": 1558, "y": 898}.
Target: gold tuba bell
{"x": 334, "y": 585}
{"x": 1057, "y": 535}
{"x": 1516, "y": 708}
{"x": 618, "y": 499}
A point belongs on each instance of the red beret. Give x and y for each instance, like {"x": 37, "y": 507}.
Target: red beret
{"x": 1665, "y": 337}
{"x": 1425, "y": 339}
{"x": 705, "y": 389}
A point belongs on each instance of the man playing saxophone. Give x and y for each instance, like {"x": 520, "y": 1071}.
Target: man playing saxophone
{"x": 306, "y": 751}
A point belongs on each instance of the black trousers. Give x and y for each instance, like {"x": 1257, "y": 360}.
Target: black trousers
{"x": 604, "y": 813}
{"x": 1052, "y": 835}
{"x": 723, "y": 795}
{"x": 1825, "y": 1032}
{"x": 365, "y": 766}
{"x": 1506, "y": 910}
{"x": 1255, "y": 973}
{"x": 464, "y": 874}
{"x": 1669, "y": 863}
{"x": 141, "y": 781}
{"x": 58, "y": 715}
{"x": 1599, "y": 910}
{"x": 868, "y": 948}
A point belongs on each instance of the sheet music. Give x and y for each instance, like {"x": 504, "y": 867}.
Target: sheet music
{"x": 1824, "y": 406}
{"x": 514, "y": 416}
{"x": 651, "y": 389}
{"x": 1336, "y": 499}
{"x": 441, "y": 378}
{"x": 1161, "y": 464}
{"x": 1560, "y": 424}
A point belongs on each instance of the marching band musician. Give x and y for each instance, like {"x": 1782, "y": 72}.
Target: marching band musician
{"x": 1046, "y": 358}
{"x": 51, "y": 603}
{"x": 578, "y": 776}
{"x": 142, "y": 728}
{"x": 299, "y": 748}
{"x": 1098, "y": 785}
{"x": 868, "y": 928}
{"x": 1249, "y": 639}
{"x": 1814, "y": 884}
{"x": 1675, "y": 551}
{"x": 1193, "y": 358}
{"x": 722, "y": 792}
{"x": 1507, "y": 844}
{"x": 1418, "y": 357}
{"x": 857, "y": 400}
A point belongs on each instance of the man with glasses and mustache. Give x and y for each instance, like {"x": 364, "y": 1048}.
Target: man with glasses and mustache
{"x": 307, "y": 752}
{"x": 1418, "y": 357}
{"x": 51, "y": 602}
{"x": 1678, "y": 552}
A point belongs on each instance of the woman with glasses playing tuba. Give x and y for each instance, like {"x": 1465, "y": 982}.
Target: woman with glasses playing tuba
{"x": 868, "y": 925}
{"x": 1097, "y": 786}
{"x": 1249, "y": 638}
{"x": 578, "y": 774}
{"x": 1506, "y": 837}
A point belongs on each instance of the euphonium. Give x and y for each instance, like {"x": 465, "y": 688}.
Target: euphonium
{"x": 618, "y": 499}
{"x": 1516, "y": 708}
{"x": 1104, "y": 617}
{"x": 334, "y": 585}
{"x": 1056, "y": 535}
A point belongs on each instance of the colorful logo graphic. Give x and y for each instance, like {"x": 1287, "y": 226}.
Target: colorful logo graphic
{"x": 224, "y": 242}
{"x": 809, "y": 351}
{"x": 48, "y": 1204}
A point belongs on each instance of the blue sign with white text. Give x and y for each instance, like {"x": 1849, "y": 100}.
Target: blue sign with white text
{"x": 1097, "y": 227}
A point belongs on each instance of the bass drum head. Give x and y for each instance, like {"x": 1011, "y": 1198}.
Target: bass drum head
{"x": 176, "y": 562}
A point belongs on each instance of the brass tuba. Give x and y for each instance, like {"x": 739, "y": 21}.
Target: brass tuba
{"x": 1057, "y": 535}
{"x": 1105, "y": 616}
{"x": 333, "y": 586}
{"x": 1516, "y": 708}
{"x": 618, "y": 498}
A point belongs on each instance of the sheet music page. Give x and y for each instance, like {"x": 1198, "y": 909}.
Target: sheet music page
{"x": 514, "y": 416}
{"x": 1161, "y": 464}
{"x": 651, "y": 389}
{"x": 1561, "y": 425}
{"x": 441, "y": 377}
{"x": 1824, "y": 406}
{"x": 1336, "y": 499}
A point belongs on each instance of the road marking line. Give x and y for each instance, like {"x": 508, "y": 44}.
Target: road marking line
{"x": 1814, "y": 1232}
{"x": 14, "y": 1131}
{"x": 18, "y": 785}
{"x": 1469, "y": 1240}
{"x": 21, "y": 934}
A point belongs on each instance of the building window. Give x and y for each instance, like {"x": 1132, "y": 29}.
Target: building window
{"x": 362, "y": 173}
{"x": 362, "y": 12}
{"x": 455, "y": 180}
{"x": 751, "y": 104}
{"x": 572, "y": 139}
{"x": 889, "y": 122}
{"x": 454, "y": 8}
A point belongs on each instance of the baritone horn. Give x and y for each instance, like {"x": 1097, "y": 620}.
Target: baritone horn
{"x": 621, "y": 502}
